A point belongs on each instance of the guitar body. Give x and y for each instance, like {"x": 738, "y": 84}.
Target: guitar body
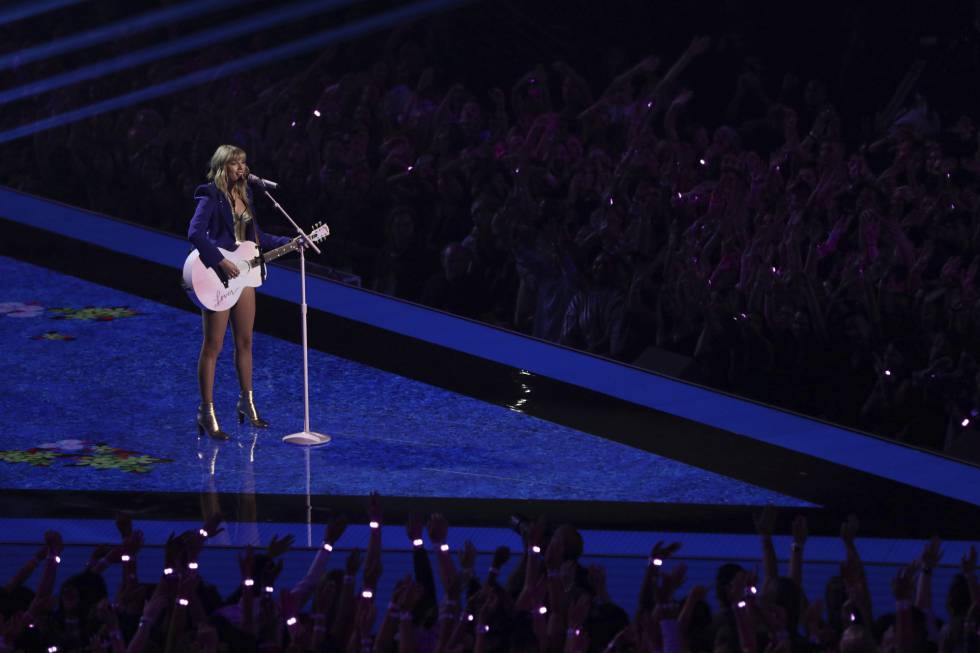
{"x": 207, "y": 290}
{"x": 205, "y": 287}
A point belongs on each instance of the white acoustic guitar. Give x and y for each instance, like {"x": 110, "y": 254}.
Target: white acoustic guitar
{"x": 208, "y": 290}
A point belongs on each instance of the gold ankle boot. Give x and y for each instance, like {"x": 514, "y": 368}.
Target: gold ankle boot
{"x": 207, "y": 422}
{"x": 246, "y": 408}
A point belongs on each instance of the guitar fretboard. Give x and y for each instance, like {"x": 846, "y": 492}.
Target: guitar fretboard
{"x": 272, "y": 255}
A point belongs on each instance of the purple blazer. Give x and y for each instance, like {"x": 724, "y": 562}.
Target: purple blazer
{"x": 213, "y": 226}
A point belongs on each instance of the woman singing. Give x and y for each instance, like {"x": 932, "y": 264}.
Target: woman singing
{"x": 224, "y": 218}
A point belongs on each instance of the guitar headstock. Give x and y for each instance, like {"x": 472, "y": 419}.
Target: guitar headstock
{"x": 319, "y": 232}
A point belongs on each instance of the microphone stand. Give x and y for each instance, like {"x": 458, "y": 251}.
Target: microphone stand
{"x": 306, "y": 437}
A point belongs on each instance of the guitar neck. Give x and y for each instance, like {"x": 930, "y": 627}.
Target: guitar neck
{"x": 273, "y": 254}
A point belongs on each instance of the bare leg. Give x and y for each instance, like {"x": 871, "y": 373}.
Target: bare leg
{"x": 242, "y": 323}
{"x": 215, "y": 325}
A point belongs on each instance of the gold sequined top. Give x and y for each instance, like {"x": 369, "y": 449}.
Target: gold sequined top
{"x": 241, "y": 225}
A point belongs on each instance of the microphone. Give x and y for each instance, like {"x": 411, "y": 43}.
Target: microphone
{"x": 262, "y": 183}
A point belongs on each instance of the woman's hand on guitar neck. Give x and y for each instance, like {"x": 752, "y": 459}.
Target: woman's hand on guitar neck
{"x": 229, "y": 268}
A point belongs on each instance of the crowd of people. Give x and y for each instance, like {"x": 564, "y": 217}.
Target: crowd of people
{"x": 548, "y": 602}
{"x": 796, "y": 252}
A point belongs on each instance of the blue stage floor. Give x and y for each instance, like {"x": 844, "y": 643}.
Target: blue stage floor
{"x": 104, "y": 401}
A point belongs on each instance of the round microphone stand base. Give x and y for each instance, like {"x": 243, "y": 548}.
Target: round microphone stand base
{"x": 306, "y": 439}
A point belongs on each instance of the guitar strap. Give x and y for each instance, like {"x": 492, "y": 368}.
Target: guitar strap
{"x": 258, "y": 244}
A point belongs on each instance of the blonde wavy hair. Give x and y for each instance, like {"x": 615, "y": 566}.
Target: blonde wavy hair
{"x": 222, "y": 156}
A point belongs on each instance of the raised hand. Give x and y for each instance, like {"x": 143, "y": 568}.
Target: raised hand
{"x": 467, "y": 557}
{"x": 414, "y": 527}
{"x": 271, "y": 572}
{"x": 536, "y": 534}
{"x": 438, "y": 529}
{"x": 335, "y": 529}
{"x": 800, "y": 530}
{"x": 124, "y": 524}
{"x": 411, "y": 594}
{"x": 968, "y": 563}
{"x": 98, "y": 553}
{"x": 374, "y": 508}
{"x": 173, "y": 550}
{"x": 454, "y": 586}
{"x": 567, "y": 573}
{"x": 671, "y": 581}
{"x": 133, "y": 543}
{"x": 54, "y": 542}
{"x": 353, "y": 564}
{"x": 932, "y": 553}
{"x": 765, "y": 520}
{"x": 500, "y": 557}
{"x": 661, "y": 551}
{"x": 903, "y": 585}
{"x": 245, "y": 561}
{"x": 278, "y": 546}
{"x": 597, "y": 578}
{"x": 849, "y": 530}
{"x": 193, "y": 543}
{"x": 554, "y": 555}
{"x": 579, "y": 611}
{"x": 212, "y": 525}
